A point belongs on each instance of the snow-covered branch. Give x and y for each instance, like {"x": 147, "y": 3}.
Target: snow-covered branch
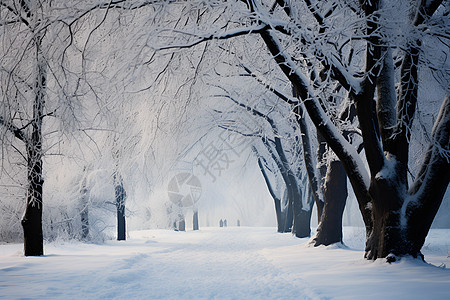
{"x": 214, "y": 36}
{"x": 17, "y": 132}
{"x": 353, "y": 164}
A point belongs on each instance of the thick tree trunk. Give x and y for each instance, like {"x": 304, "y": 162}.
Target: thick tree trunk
{"x": 120, "y": 205}
{"x": 329, "y": 230}
{"x": 302, "y": 223}
{"x": 301, "y": 226}
{"x": 394, "y": 233}
{"x": 387, "y": 237}
{"x": 32, "y": 219}
{"x": 403, "y": 218}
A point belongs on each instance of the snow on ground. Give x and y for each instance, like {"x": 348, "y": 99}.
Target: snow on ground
{"x": 221, "y": 263}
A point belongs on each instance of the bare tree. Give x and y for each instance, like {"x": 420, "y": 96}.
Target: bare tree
{"x": 26, "y": 92}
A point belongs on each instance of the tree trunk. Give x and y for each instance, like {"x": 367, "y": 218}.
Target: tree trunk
{"x": 293, "y": 194}
{"x": 287, "y": 215}
{"x": 302, "y": 223}
{"x": 276, "y": 199}
{"x": 403, "y": 218}
{"x": 329, "y": 230}
{"x": 195, "y": 220}
{"x": 32, "y": 219}
{"x": 301, "y": 226}
{"x": 310, "y": 165}
{"x": 120, "y": 205}
{"x": 181, "y": 223}
{"x": 396, "y": 233}
{"x": 387, "y": 236}
{"x": 321, "y": 150}
{"x": 84, "y": 213}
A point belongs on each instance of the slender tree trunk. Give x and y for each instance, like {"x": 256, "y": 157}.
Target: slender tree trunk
{"x": 181, "y": 223}
{"x": 321, "y": 149}
{"x": 84, "y": 213}
{"x": 195, "y": 220}
{"x": 294, "y": 196}
{"x": 279, "y": 215}
{"x": 287, "y": 215}
{"x": 310, "y": 166}
{"x": 120, "y": 205}
{"x": 276, "y": 200}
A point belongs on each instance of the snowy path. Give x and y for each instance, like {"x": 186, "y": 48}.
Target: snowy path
{"x": 222, "y": 263}
{"x": 208, "y": 264}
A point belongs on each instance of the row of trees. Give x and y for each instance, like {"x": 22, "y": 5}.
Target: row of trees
{"x": 378, "y": 70}
{"x": 351, "y": 79}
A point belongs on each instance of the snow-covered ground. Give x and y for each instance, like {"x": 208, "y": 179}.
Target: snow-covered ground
{"x": 222, "y": 263}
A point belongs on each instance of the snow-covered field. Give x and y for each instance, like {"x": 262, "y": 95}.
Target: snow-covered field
{"x": 222, "y": 263}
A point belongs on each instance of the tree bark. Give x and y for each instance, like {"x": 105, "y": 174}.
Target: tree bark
{"x": 300, "y": 228}
{"x": 84, "y": 216}
{"x": 321, "y": 149}
{"x": 84, "y": 213}
{"x": 276, "y": 199}
{"x": 120, "y": 206}
{"x": 32, "y": 219}
{"x": 181, "y": 223}
{"x": 287, "y": 215}
{"x": 403, "y": 218}
{"x": 329, "y": 230}
{"x": 195, "y": 220}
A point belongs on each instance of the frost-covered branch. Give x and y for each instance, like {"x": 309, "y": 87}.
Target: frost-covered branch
{"x": 330, "y": 62}
{"x": 16, "y": 13}
{"x": 357, "y": 173}
{"x": 17, "y": 132}
{"x": 406, "y": 106}
{"x": 214, "y": 36}
{"x": 260, "y": 79}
